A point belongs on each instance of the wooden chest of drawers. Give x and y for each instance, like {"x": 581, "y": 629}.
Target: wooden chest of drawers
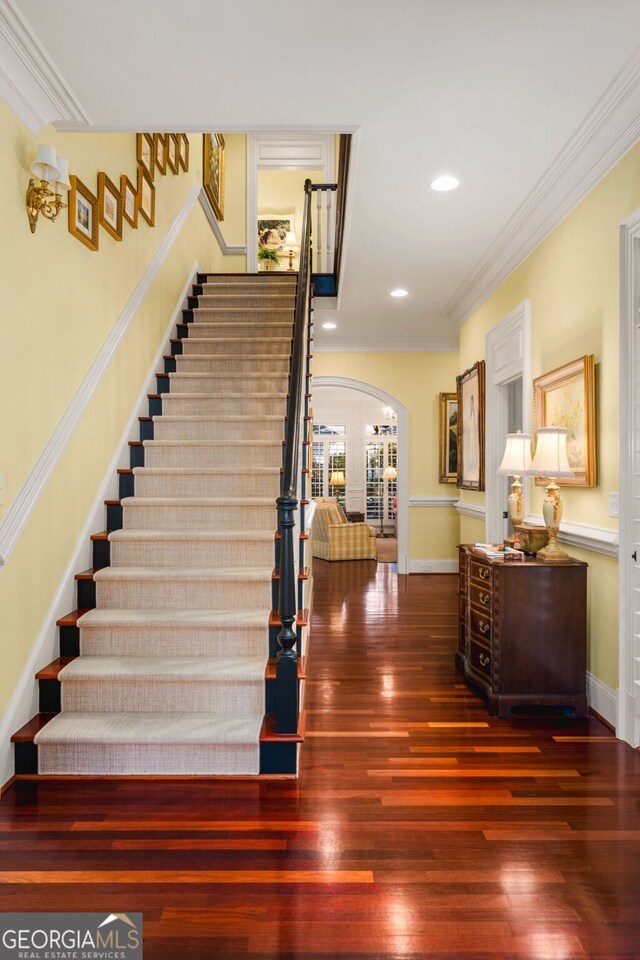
{"x": 523, "y": 632}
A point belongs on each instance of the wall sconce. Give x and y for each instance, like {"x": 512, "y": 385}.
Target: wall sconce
{"x": 292, "y": 243}
{"x": 45, "y": 197}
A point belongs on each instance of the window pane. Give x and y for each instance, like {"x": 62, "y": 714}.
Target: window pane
{"x": 337, "y": 461}
{"x": 374, "y": 453}
{"x": 317, "y": 470}
{"x": 329, "y": 430}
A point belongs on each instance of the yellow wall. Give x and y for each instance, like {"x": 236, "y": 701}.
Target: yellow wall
{"x": 60, "y": 302}
{"x": 572, "y": 282}
{"x": 234, "y": 225}
{"x": 416, "y": 380}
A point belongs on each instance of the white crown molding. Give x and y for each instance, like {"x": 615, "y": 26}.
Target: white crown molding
{"x": 475, "y": 510}
{"x": 433, "y": 566}
{"x": 602, "y": 699}
{"x": 608, "y": 131}
{"x": 32, "y": 489}
{"x": 584, "y": 536}
{"x": 433, "y": 501}
{"x": 385, "y": 344}
{"x": 229, "y": 250}
{"x": 23, "y": 702}
{"x": 30, "y": 81}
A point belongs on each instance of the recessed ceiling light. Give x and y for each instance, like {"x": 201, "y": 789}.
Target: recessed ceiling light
{"x": 329, "y": 325}
{"x": 444, "y": 183}
{"x": 399, "y": 293}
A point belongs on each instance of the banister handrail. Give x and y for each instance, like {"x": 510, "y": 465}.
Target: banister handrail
{"x": 287, "y": 657}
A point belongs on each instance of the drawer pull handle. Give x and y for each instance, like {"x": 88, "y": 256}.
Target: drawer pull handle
{"x": 484, "y": 660}
{"x": 484, "y": 597}
{"x": 484, "y": 627}
{"x": 484, "y": 573}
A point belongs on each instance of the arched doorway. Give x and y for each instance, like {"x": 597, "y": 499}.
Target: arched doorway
{"x": 386, "y": 400}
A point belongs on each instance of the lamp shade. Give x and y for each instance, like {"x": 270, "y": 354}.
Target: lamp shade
{"x": 337, "y": 479}
{"x": 45, "y": 165}
{"x": 550, "y": 458}
{"x": 389, "y": 473}
{"x": 517, "y": 455}
{"x": 291, "y": 240}
{"x": 62, "y": 183}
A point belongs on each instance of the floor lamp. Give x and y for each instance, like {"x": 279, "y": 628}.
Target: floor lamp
{"x": 389, "y": 473}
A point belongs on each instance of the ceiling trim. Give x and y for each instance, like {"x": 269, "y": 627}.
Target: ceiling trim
{"x": 387, "y": 345}
{"x": 608, "y": 131}
{"x": 30, "y": 81}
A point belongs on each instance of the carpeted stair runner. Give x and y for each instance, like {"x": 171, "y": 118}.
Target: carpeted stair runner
{"x": 171, "y": 673}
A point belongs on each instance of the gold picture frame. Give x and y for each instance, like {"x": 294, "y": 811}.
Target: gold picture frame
{"x": 448, "y": 437}
{"x": 129, "y": 194}
{"x": 109, "y": 206}
{"x": 184, "y": 151}
{"x": 145, "y": 152}
{"x": 160, "y": 152}
{"x": 470, "y": 391}
{"x": 173, "y": 157}
{"x": 566, "y": 397}
{"x": 146, "y": 197}
{"x": 83, "y": 214}
{"x": 213, "y": 171}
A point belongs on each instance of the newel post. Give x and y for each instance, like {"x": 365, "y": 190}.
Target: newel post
{"x": 287, "y": 657}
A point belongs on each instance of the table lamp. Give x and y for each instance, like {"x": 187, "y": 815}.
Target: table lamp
{"x": 516, "y": 462}
{"x": 551, "y": 460}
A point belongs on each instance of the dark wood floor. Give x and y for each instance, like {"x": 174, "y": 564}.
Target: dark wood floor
{"x": 419, "y": 827}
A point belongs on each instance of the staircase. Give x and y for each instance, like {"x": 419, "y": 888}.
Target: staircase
{"x": 164, "y": 666}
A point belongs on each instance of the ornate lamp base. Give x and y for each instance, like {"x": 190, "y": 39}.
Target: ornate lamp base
{"x": 552, "y": 513}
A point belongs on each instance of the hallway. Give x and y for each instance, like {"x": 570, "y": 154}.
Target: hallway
{"x": 419, "y": 827}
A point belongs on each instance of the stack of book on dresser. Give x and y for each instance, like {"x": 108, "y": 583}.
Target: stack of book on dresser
{"x": 498, "y": 552}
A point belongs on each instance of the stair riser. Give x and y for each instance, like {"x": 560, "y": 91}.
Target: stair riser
{"x": 224, "y": 315}
{"x": 166, "y": 696}
{"x": 182, "y": 595}
{"x": 251, "y": 301}
{"x": 236, "y": 348}
{"x": 218, "y": 430}
{"x": 252, "y": 455}
{"x": 201, "y": 328}
{"x": 180, "y": 516}
{"x": 234, "y": 385}
{"x": 176, "y": 406}
{"x": 121, "y": 641}
{"x": 193, "y": 485}
{"x": 189, "y": 554}
{"x": 143, "y": 758}
{"x": 234, "y": 367}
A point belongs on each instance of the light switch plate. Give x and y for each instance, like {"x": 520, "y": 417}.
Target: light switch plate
{"x": 614, "y": 505}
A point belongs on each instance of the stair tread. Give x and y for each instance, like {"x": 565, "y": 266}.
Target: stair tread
{"x": 191, "y": 535}
{"x": 212, "y": 443}
{"x": 157, "y": 728}
{"x": 212, "y": 418}
{"x": 238, "y": 397}
{"x": 234, "y": 574}
{"x": 173, "y": 618}
{"x": 205, "y": 471}
{"x": 199, "y": 501}
{"x": 165, "y": 668}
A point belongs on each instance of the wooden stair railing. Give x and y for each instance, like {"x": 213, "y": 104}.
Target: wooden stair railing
{"x": 326, "y": 255}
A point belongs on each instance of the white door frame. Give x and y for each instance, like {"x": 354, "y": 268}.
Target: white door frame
{"x": 508, "y": 356}
{"x": 403, "y": 453}
{"x": 626, "y": 726}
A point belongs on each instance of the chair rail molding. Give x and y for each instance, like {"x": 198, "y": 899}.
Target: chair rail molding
{"x": 228, "y": 249}
{"x": 30, "y": 81}
{"x": 32, "y": 489}
{"x": 475, "y": 510}
{"x": 582, "y": 535}
{"x": 403, "y": 453}
{"x": 433, "y": 501}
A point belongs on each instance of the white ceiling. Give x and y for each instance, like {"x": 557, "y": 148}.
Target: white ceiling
{"x": 527, "y": 103}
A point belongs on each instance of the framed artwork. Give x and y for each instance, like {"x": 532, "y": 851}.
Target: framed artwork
{"x": 83, "y": 214}
{"x": 471, "y": 428}
{"x": 129, "y": 196}
{"x": 109, "y": 206}
{"x": 145, "y": 152}
{"x": 184, "y": 151}
{"x": 213, "y": 171}
{"x": 146, "y": 197}
{"x": 272, "y": 229}
{"x": 448, "y": 437}
{"x": 160, "y": 152}
{"x": 566, "y": 397}
{"x": 172, "y": 152}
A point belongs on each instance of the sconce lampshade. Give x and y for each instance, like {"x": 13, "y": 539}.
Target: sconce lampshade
{"x": 45, "y": 166}
{"x": 62, "y": 183}
{"x": 517, "y": 455}
{"x": 337, "y": 479}
{"x": 389, "y": 473}
{"x": 550, "y": 458}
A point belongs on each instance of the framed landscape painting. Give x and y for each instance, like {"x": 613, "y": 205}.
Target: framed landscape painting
{"x": 471, "y": 427}
{"x": 448, "y": 437}
{"x": 566, "y": 397}
{"x": 213, "y": 171}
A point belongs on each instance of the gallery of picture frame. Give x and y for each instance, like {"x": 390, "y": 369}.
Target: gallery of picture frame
{"x": 109, "y": 206}
{"x": 184, "y": 151}
{"x": 146, "y": 197}
{"x": 160, "y": 151}
{"x": 173, "y": 147}
{"x": 145, "y": 153}
{"x": 83, "y": 214}
{"x": 129, "y": 201}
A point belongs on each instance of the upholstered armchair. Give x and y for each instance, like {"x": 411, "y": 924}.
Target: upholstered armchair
{"x": 334, "y": 538}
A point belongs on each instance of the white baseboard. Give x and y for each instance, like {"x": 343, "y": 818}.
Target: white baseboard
{"x": 433, "y": 566}
{"x": 602, "y": 699}
{"x": 24, "y": 700}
